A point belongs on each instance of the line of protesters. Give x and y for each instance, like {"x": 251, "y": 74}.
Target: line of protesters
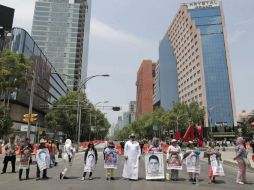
{"x": 45, "y": 157}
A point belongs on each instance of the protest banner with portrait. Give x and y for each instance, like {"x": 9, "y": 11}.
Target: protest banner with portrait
{"x": 111, "y": 158}
{"x": 154, "y": 166}
{"x": 174, "y": 162}
{"x": 43, "y": 158}
{"x": 216, "y": 166}
{"x": 193, "y": 163}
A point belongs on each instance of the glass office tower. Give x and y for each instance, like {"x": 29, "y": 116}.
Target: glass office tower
{"x": 198, "y": 38}
{"x": 61, "y": 29}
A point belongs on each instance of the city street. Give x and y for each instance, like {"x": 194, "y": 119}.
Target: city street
{"x": 10, "y": 181}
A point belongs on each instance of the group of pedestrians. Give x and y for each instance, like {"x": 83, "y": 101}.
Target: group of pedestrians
{"x": 175, "y": 158}
{"x": 46, "y": 150}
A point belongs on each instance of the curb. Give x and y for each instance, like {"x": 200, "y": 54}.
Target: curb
{"x": 233, "y": 164}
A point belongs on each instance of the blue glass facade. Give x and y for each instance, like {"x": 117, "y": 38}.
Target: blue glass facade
{"x": 167, "y": 75}
{"x": 48, "y": 86}
{"x": 218, "y": 94}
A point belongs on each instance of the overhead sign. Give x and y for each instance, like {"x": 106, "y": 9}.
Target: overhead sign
{"x": 25, "y": 127}
{"x": 202, "y": 4}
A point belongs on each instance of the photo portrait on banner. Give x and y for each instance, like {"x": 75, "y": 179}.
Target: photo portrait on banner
{"x": 43, "y": 159}
{"x": 154, "y": 166}
{"x": 111, "y": 159}
{"x": 174, "y": 162}
{"x": 193, "y": 163}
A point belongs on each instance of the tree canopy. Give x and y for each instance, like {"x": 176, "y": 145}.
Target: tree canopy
{"x": 160, "y": 122}
{"x": 14, "y": 72}
{"x": 63, "y": 117}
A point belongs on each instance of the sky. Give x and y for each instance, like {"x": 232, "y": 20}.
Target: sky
{"x": 124, "y": 32}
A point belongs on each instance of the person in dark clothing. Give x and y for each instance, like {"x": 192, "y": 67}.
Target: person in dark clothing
{"x": 122, "y": 143}
{"x": 141, "y": 144}
{"x": 252, "y": 146}
{"x": 90, "y": 160}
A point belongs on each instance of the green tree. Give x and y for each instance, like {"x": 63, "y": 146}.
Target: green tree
{"x": 5, "y": 123}
{"x": 14, "y": 72}
{"x": 180, "y": 117}
{"x": 63, "y": 117}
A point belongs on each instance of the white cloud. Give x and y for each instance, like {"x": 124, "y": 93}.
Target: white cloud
{"x": 113, "y": 35}
{"x": 235, "y": 36}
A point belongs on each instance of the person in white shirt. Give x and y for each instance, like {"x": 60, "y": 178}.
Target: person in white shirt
{"x": 132, "y": 155}
{"x": 69, "y": 152}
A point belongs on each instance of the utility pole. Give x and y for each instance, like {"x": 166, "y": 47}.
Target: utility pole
{"x": 31, "y": 101}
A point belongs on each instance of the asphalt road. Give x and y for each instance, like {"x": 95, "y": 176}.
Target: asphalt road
{"x": 9, "y": 181}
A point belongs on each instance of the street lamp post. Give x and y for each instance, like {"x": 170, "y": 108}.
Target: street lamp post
{"x": 96, "y": 114}
{"x": 81, "y": 85}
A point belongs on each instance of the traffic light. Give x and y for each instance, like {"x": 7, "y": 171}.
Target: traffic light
{"x": 32, "y": 118}
{"x": 26, "y": 118}
{"x": 116, "y": 108}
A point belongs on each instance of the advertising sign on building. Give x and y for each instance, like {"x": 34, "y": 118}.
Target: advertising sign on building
{"x": 202, "y": 4}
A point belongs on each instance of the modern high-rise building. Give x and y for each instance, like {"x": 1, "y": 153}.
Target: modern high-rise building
{"x": 145, "y": 87}
{"x": 194, "y": 63}
{"x": 61, "y": 29}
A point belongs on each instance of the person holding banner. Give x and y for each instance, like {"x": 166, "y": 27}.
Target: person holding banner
{"x": 174, "y": 159}
{"x": 192, "y": 162}
{"x": 241, "y": 158}
{"x": 110, "y": 160}
{"x": 90, "y": 159}
{"x": 42, "y": 159}
{"x": 68, "y": 158}
{"x": 155, "y": 146}
{"x": 132, "y": 155}
{"x": 25, "y": 158}
{"x": 214, "y": 163}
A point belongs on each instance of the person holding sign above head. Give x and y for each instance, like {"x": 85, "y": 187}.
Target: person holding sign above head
{"x": 132, "y": 155}
{"x": 174, "y": 159}
{"x": 90, "y": 160}
{"x": 192, "y": 162}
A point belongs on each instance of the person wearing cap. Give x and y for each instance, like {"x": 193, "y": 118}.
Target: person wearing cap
{"x": 132, "y": 155}
{"x": 174, "y": 154}
{"x": 110, "y": 160}
{"x": 69, "y": 152}
{"x": 10, "y": 155}
{"x": 90, "y": 160}
{"x": 42, "y": 159}
{"x": 192, "y": 162}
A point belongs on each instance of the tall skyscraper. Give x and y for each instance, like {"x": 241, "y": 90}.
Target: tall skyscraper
{"x": 194, "y": 62}
{"x": 145, "y": 86}
{"x": 61, "y": 29}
